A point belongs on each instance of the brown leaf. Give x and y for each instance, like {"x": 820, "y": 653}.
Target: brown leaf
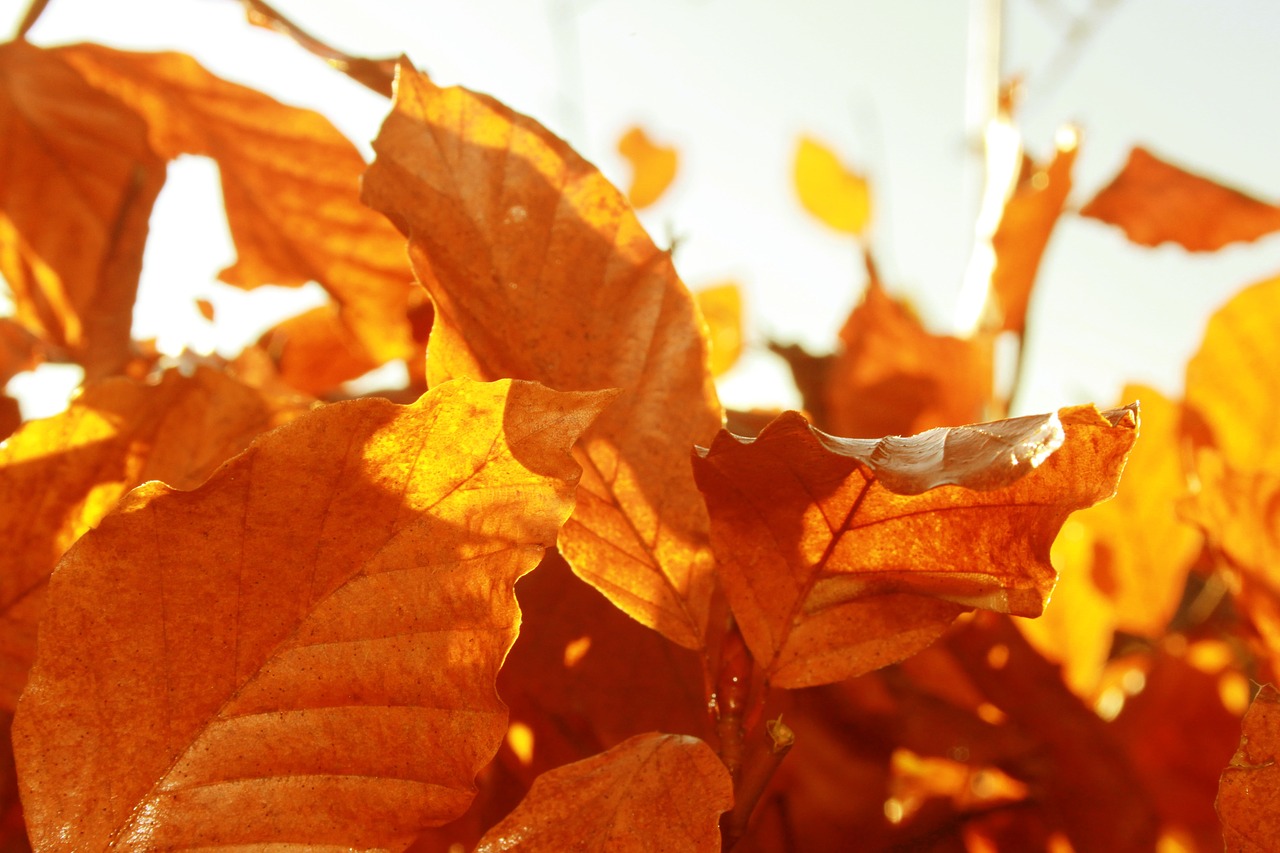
{"x": 315, "y": 352}
{"x": 302, "y": 650}
{"x": 116, "y": 434}
{"x": 894, "y": 377}
{"x": 1026, "y": 224}
{"x": 1156, "y": 202}
{"x": 835, "y": 194}
{"x": 539, "y": 270}
{"x": 290, "y": 182}
{"x": 1250, "y": 786}
{"x": 79, "y": 181}
{"x": 653, "y": 167}
{"x": 652, "y": 792}
{"x": 19, "y": 350}
{"x": 839, "y": 556}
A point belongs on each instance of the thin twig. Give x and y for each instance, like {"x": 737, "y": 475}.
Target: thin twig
{"x": 29, "y": 20}
{"x": 755, "y": 777}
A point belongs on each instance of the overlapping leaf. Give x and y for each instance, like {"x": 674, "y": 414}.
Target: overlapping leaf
{"x": 539, "y": 270}
{"x": 78, "y": 180}
{"x": 61, "y": 475}
{"x": 651, "y": 792}
{"x": 1156, "y": 202}
{"x": 841, "y": 555}
{"x": 290, "y": 183}
{"x": 303, "y": 650}
{"x": 653, "y": 167}
{"x": 1250, "y": 787}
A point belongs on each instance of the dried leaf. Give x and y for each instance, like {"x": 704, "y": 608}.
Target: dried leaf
{"x": 79, "y": 181}
{"x": 205, "y": 308}
{"x": 721, "y": 307}
{"x": 1026, "y": 224}
{"x": 653, "y": 167}
{"x": 19, "y": 349}
{"x": 835, "y": 194}
{"x": 290, "y": 182}
{"x": 115, "y": 435}
{"x": 1157, "y": 202}
{"x": 1250, "y": 787}
{"x": 315, "y": 352}
{"x": 652, "y": 792}
{"x": 894, "y": 377}
{"x": 839, "y": 556}
{"x": 303, "y": 650}
{"x": 539, "y": 270}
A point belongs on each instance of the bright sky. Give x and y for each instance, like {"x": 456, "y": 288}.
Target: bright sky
{"x": 733, "y": 83}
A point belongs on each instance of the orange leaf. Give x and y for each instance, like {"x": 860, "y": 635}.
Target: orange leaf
{"x": 721, "y": 307}
{"x": 206, "y": 309}
{"x": 1026, "y": 224}
{"x": 19, "y": 350}
{"x": 1250, "y": 787}
{"x": 836, "y": 195}
{"x": 652, "y": 792}
{"x": 315, "y": 352}
{"x": 1156, "y": 202}
{"x": 653, "y": 167}
{"x": 116, "y": 434}
{"x": 839, "y": 556}
{"x": 290, "y": 182}
{"x": 894, "y": 377}
{"x": 303, "y": 650}
{"x": 79, "y": 183}
{"x": 539, "y": 270}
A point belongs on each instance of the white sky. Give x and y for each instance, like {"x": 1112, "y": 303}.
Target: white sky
{"x": 732, "y": 83}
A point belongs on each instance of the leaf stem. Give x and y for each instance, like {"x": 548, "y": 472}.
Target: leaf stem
{"x": 34, "y": 11}
{"x": 765, "y": 760}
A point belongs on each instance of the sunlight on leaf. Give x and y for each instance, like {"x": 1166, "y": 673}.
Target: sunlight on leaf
{"x": 1250, "y": 787}
{"x": 653, "y": 167}
{"x": 838, "y": 196}
{"x": 721, "y": 307}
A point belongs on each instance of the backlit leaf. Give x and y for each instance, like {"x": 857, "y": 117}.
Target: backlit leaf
{"x": 721, "y": 307}
{"x": 539, "y": 270}
{"x": 117, "y": 434}
{"x": 839, "y": 556}
{"x": 303, "y": 650}
{"x": 653, "y": 167}
{"x": 290, "y": 182}
{"x": 838, "y": 196}
{"x": 315, "y": 352}
{"x": 79, "y": 181}
{"x": 652, "y": 792}
{"x": 1250, "y": 787}
{"x": 1156, "y": 202}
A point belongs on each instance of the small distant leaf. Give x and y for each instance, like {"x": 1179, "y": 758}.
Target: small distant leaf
{"x": 653, "y": 167}
{"x": 839, "y": 556}
{"x": 302, "y": 651}
{"x": 205, "y": 308}
{"x": 835, "y": 194}
{"x": 539, "y": 269}
{"x": 721, "y": 307}
{"x": 652, "y": 792}
{"x": 315, "y": 352}
{"x": 1156, "y": 202}
{"x": 1250, "y": 787}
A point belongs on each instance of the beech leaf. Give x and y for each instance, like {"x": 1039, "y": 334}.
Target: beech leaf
{"x": 290, "y": 182}
{"x": 839, "y": 556}
{"x": 303, "y": 650}
{"x": 651, "y": 792}
{"x": 1250, "y": 786}
{"x": 1156, "y": 202}
{"x": 539, "y": 270}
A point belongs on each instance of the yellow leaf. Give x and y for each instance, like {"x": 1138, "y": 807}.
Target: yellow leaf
{"x": 721, "y": 307}
{"x": 833, "y": 193}
{"x": 653, "y": 167}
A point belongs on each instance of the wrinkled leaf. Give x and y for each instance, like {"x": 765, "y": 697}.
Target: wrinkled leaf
{"x": 1250, "y": 787}
{"x": 116, "y": 434}
{"x": 838, "y": 196}
{"x": 839, "y": 556}
{"x": 652, "y": 792}
{"x": 1156, "y": 202}
{"x": 653, "y": 167}
{"x": 79, "y": 180}
{"x": 721, "y": 307}
{"x": 290, "y": 182}
{"x": 303, "y": 650}
{"x": 539, "y": 270}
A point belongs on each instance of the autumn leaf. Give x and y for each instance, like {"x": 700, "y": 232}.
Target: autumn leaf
{"x": 721, "y": 307}
{"x": 838, "y": 196}
{"x": 651, "y": 792}
{"x": 653, "y": 167}
{"x": 1250, "y": 786}
{"x": 539, "y": 270}
{"x": 315, "y": 352}
{"x": 79, "y": 181}
{"x": 290, "y": 182}
{"x": 117, "y": 434}
{"x": 1156, "y": 202}
{"x": 302, "y": 650}
{"x": 894, "y": 377}
{"x": 839, "y": 556}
